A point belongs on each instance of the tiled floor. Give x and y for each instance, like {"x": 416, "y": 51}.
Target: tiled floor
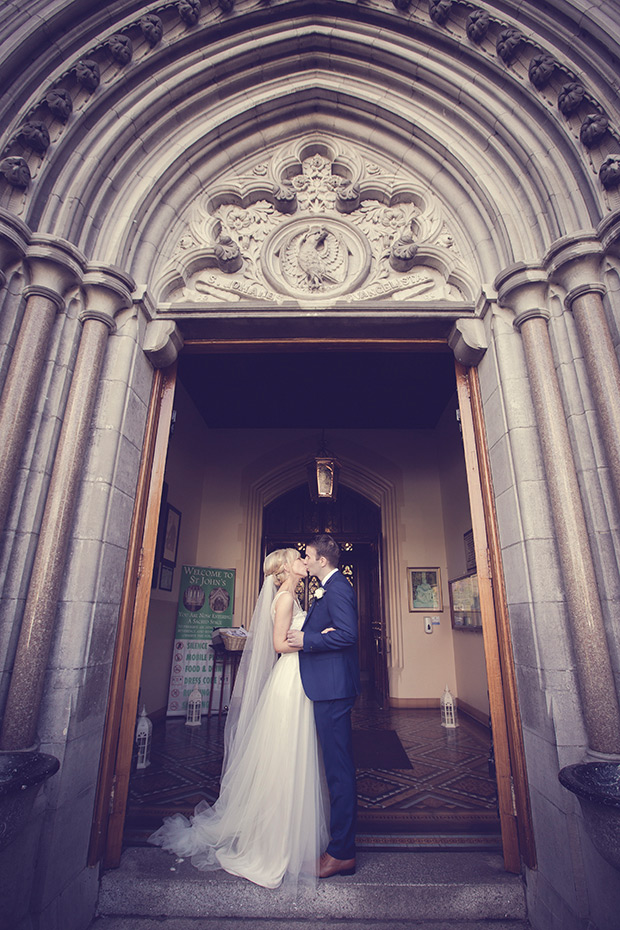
{"x": 446, "y": 799}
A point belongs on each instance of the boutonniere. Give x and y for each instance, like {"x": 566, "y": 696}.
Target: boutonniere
{"x": 318, "y": 594}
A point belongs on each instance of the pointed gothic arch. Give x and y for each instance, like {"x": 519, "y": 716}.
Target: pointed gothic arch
{"x": 374, "y": 485}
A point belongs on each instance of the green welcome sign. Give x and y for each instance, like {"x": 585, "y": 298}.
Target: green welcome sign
{"x": 206, "y": 602}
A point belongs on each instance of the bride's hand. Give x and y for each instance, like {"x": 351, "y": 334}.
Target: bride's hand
{"x": 330, "y": 629}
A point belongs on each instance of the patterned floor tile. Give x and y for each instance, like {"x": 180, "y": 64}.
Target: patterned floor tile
{"x": 448, "y": 790}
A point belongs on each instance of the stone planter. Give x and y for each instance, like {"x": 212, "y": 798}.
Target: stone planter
{"x": 597, "y": 786}
{"x": 21, "y": 776}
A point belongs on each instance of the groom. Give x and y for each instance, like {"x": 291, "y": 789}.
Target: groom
{"x": 329, "y": 667}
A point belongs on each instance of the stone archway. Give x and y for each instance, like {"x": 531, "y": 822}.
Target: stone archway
{"x": 115, "y": 129}
{"x": 374, "y": 486}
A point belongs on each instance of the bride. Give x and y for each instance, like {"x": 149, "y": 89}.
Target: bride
{"x": 269, "y": 823}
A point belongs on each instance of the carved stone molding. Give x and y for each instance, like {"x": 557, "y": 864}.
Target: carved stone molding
{"x": 107, "y": 290}
{"x": 162, "y": 343}
{"x": 523, "y": 289}
{"x": 468, "y": 341}
{"x": 53, "y": 266}
{"x": 574, "y": 261}
{"x": 14, "y": 239}
{"x": 316, "y": 222}
{"x": 594, "y": 287}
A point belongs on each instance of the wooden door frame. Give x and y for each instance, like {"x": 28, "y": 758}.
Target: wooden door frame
{"x": 512, "y": 787}
{"x": 111, "y": 799}
{"x": 116, "y": 753}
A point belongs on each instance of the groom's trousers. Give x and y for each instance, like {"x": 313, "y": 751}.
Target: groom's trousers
{"x": 333, "y": 724}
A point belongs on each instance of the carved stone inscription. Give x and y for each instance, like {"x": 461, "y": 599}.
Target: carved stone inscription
{"x": 315, "y": 225}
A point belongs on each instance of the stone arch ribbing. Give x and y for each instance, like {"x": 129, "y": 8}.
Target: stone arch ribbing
{"x": 490, "y": 144}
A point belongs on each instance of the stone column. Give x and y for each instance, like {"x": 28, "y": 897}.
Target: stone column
{"x": 106, "y": 294}
{"x": 53, "y": 267}
{"x": 524, "y": 290}
{"x": 575, "y": 264}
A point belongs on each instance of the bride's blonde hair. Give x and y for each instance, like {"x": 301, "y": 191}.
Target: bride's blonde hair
{"x": 276, "y": 561}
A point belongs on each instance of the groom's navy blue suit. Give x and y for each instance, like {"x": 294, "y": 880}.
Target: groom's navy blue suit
{"x": 329, "y": 667}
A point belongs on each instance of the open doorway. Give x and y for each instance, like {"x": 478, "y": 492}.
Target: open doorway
{"x": 237, "y": 450}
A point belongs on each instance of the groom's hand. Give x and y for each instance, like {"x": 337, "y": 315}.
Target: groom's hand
{"x": 295, "y": 639}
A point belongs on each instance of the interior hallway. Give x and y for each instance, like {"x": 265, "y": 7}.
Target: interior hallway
{"x": 446, "y": 799}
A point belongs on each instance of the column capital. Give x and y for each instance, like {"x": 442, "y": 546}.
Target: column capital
{"x": 595, "y": 287}
{"x": 468, "y": 341}
{"x": 523, "y": 289}
{"x": 162, "y": 342}
{"x": 53, "y": 267}
{"x": 575, "y": 261}
{"x": 14, "y": 239}
{"x": 608, "y": 231}
{"x": 107, "y": 291}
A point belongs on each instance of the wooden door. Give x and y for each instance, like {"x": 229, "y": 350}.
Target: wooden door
{"x": 116, "y": 754}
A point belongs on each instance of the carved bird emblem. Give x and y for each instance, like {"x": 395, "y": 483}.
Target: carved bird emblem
{"x": 317, "y": 257}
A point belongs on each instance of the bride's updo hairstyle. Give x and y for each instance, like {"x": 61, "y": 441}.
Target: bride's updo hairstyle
{"x": 276, "y": 561}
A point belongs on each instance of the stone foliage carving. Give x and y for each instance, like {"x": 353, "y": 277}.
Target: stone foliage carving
{"x": 439, "y": 11}
{"x": 314, "y": 224}
{"x": 541, "y": 70}
{"x": 15, "y": 171}
{"x": 228, "y": 254}
{"x": 477, "y": 25}
{"x": 60, "y": 103}
{"x": 87, "y": 74}
{"x": 508, "y": 44}
{"x": 570, "y": 98}
{"x": 609, "y": 172}
{"x": 226, "y": 5}
{"x": 593, "y": 129}
{"x": 36, "y": 135}
{"x": 189, "y": 11}
{"x": 402, "y": 5}
{"x": 152, "y": 28}
{"x": 121, "y": 48}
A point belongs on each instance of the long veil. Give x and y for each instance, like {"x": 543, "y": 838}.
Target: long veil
{"x": 270, "y": 836}
{"x": 257, "y": 661}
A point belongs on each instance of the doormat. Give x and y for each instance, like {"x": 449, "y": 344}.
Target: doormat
{"x": 379, "y": 749}
{"x": 412, "y": 842}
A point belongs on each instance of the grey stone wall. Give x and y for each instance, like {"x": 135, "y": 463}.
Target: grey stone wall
{"x": 60, "y": 892}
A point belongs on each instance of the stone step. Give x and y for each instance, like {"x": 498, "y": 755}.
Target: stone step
{"x": 430, "y": 890}
{"x": 252, "y": 923}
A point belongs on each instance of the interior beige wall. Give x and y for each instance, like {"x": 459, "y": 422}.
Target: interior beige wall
{"x": 208, "y": 474}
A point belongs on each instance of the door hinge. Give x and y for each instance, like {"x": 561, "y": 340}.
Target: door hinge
{"x": 513, "y": 796}
{"x": 140, "y": 564}
{"x": 112, "y": 795}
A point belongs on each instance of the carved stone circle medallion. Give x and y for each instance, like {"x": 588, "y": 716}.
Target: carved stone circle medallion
{"x": 315, "y": 257}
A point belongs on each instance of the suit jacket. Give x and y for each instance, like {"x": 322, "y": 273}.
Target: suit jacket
{"x": 329, "y": 663}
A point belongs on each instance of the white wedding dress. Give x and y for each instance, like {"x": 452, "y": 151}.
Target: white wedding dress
{"x": 269, "y": 823}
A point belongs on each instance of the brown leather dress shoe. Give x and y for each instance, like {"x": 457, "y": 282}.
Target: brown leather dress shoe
{"x": 329, "y": 866}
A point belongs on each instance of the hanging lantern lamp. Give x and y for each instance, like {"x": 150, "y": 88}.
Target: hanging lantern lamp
{"x": 323, "y": 472}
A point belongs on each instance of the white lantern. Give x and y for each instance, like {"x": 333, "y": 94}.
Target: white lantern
{"x": 194, "y": 709}
{"x": 448, "y": 710}
{"x": 144, "y": 732}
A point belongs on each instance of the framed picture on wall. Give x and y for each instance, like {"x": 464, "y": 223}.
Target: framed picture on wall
{"x": 165, "y": 578}
{"x": 424, "y": 586}
{"x": 465, "y": 603}
{"x": 171, "y": 536}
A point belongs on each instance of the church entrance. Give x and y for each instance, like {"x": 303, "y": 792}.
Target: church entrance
{"x": 404, "y": 517}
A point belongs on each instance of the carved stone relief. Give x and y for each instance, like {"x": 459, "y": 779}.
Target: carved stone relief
{"x": 315, "y": 224}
